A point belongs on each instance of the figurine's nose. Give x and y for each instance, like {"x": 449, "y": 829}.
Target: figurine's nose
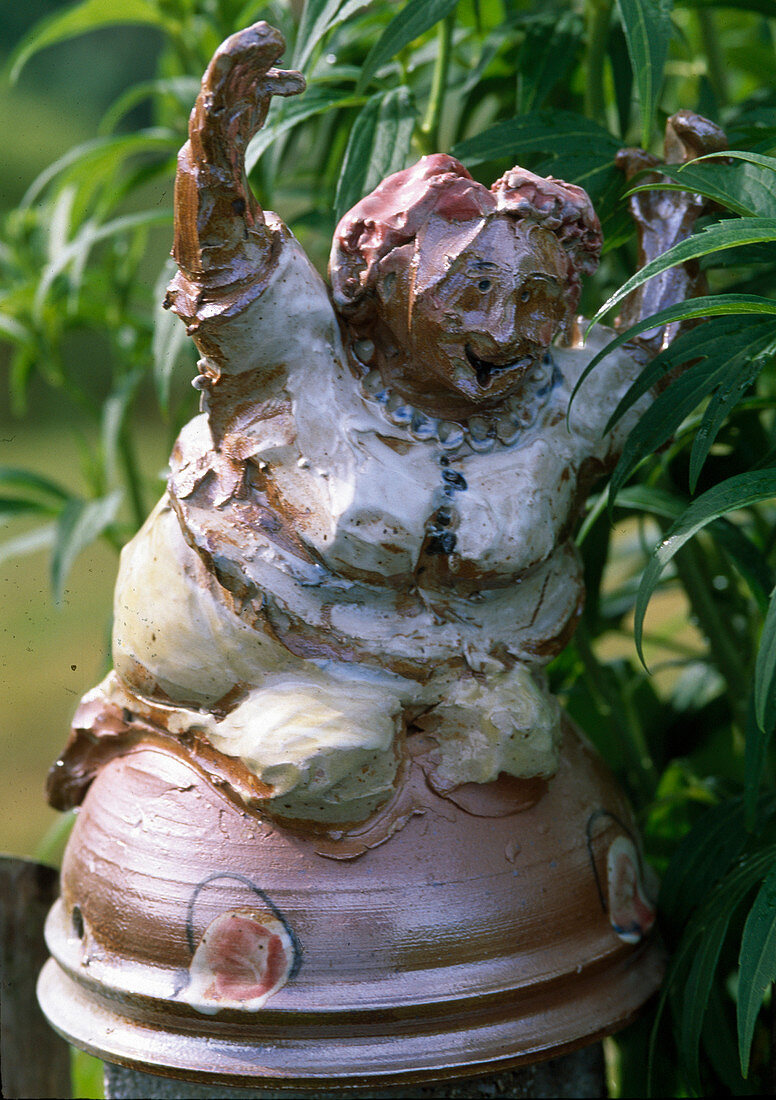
{"x": 502, "y": 324}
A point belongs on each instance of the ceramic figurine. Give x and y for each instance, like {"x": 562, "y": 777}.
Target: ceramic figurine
{"x": 331, "y": 632}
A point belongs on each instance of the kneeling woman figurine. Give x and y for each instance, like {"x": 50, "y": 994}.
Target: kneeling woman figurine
{"x": 338, "y": 616}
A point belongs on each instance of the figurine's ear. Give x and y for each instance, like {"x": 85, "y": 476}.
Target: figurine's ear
{"x": 562, "y": 207}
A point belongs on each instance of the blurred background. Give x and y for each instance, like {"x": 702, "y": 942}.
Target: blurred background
{"x": 51, "y": 653}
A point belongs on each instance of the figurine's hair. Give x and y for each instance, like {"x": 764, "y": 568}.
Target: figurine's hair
{"x": 439, "y": 186}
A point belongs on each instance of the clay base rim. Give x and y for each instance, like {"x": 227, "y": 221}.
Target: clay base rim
{"x": 87, "y": 1022}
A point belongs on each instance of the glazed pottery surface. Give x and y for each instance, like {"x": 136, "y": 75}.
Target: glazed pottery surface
{"x": 465, "y": 944}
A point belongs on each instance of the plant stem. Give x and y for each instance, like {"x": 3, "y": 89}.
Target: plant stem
{"x": 429, "y": 128}
{"x": 599, "y": 15}
{"x": 641, "y": 768}
{"x": 716, "y": 65}
{"x": 132, "y": 478}
{"x": 694, "y": 575}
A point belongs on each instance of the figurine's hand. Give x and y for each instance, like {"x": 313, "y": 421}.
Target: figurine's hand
{"x": 237, "y": 88}
{"x": 220, "y": 234}
{"x": 689, "y": 136}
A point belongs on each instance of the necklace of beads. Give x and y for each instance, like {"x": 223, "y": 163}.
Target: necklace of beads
{"x": 482, "y": 432}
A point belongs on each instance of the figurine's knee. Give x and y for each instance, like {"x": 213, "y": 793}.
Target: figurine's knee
{"x": 328, "y": 748}
{"x": 505, "y": 723}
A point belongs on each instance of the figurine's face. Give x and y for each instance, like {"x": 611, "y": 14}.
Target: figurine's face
{"x": 473, "y": 320}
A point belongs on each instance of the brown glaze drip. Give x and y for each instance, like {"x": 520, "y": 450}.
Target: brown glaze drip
{"x": 104, "y": 730}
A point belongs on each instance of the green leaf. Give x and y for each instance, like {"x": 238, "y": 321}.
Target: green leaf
{"x": 28, "y": 480}
{"x": 711, "y": 305}
{"x": 99, "y": 156}
{"x": 87, "y": 16}
{"x": 765, "y": 669}
{"x": 577, "y": 149}
{"x": 114, "y": 416}
{"x": 21, "y": 506}
{"x": 757, "y": 960}
{"x": 414, "y": 19}
{"x": 704, "y": 935}
{"x": 742, "y": 154}
{"x": 379, "y": 145}
{"x": 539, "y": 132}
{"x": 714, "y": 238}
{"x": 764, "y": 7}
{"x": 756, "y": 744}
{"x": 81, "y": 522}
{"x": 747, "y": 188}
{"x": 718, "y": 348}
{"x": 701, "y": 860}
{"x": 319, "y": 17}
{"x": 170, "y": 339}
{"x": 648, "y": 28}
{"x": 184, "y": 88}
{"x": 622, "y": 75}
{"x": 546, "y": 54}
{"x": 40, "y": 538}
{"x": 12, "y": 329}
{"x": 740, "y": 374}
{"x": 695, "y": 995}
{"x": 731, "y": 495}
{"x": 77, "y": 251}
{"x": 748, "y": 559}
{"x": 291, "y": 113}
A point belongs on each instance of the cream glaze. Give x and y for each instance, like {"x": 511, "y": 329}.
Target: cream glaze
{"x": 336, "y": 592}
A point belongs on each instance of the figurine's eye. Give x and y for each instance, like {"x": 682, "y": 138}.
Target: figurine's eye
{"x": 483, "y": 285}
{"x": 525, "y": 296}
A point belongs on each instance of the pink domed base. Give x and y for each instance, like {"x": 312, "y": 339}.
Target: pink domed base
{"x": 198, "y": 940}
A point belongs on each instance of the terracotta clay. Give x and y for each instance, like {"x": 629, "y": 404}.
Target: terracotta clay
{"x": 330, "y": 633}
{"x": 464, "y": 944}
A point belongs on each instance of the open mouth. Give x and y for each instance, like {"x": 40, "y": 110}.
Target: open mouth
{"x": 485, "y": 371}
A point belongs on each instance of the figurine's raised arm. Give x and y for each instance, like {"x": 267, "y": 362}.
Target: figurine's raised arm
{"x": 223, "y": 246}
{"x": 663, "y": 218}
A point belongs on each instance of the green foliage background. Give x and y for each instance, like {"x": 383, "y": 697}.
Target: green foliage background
{"x": 686, "y": 525}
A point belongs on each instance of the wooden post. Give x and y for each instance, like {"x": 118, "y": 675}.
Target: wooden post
{"x": 579, "y": 1074}
{"x": 34, "y": 1061}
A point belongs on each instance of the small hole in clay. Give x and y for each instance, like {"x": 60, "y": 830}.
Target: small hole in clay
{"x": 78, "y": 922}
